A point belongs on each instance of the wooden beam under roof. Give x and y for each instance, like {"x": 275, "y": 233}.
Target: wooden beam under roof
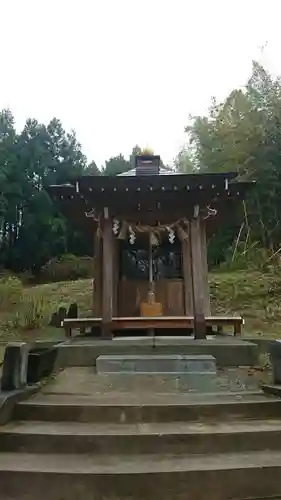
{"x": 153, "y": 182}
{"x": 227, "y": 209}
{"x": 197, "y": 194}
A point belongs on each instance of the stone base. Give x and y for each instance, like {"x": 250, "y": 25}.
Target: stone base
{"x": 156, "y": 383}
{"x": 156, "y": 364}
{"x": 228, "y": 351}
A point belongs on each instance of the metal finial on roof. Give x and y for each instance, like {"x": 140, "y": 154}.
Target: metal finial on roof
{"x": 162, "y": 171}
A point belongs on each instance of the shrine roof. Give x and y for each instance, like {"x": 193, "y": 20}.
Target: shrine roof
{"x": 145, "y": 183}
{"x": 149, "y": 199}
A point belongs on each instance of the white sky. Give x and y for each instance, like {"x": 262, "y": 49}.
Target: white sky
{"x": 126, "y": 72}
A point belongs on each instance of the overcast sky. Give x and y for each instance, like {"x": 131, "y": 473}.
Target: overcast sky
{"x": 122, "y": 72}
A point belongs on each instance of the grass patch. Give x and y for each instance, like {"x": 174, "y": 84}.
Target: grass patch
{"x": 254, "y": 295}
{"x": 27, "y": 318}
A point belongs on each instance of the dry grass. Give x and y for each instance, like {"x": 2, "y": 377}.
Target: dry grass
{"x": 66, "y": 292}
{"x": 255, "y": 295}
{"x": 46, "y": 299}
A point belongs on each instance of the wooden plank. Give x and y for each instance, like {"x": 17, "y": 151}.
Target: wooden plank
{"x": 170, "y": 322}
{"x": 131, "y": 294}
{"x": 107, "y": 271}
{"x": 151, "y": 323}
{"x": 115, "y": 249}
{"x": 168, "y": 292}
{"x": 226, "y": 319}
{"x": 97, "y": 285}
{"x": 197, "y": 281}
{"x": 187, "y": 276}
{"x": 145, "y": 322}
{"x": 173, "y": 299}
{"x": 237, "y": 328}
{"x": 95, "y": 275}
{"x": 213, "y": 319}
{"x": 205, "y": 279}
{"x": 100, "y": 285}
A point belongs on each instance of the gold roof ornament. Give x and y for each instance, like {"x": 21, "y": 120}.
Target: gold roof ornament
{"x": 147, "y": 151}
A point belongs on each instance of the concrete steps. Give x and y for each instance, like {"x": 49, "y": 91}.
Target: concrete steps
{"x": 135, "y": 446}
{"x": 147, "y": 438}
{"x": 133, "y": 409}
{"x": 69, "y": 477}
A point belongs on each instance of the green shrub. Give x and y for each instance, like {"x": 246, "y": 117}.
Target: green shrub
{"x": 11, "y": 290}
{"x": 67, "y": 268}
{"x": 34, "y": 312}
{"x": 239, "y": 259}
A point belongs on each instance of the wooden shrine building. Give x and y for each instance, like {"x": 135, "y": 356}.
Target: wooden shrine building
{"x": 150, "y": 228}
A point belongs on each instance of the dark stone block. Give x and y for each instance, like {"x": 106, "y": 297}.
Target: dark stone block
{"x": 54, "y": 320}
{"x": 275, "y": 348}
{"x": 275, "y": 357}
{"x": 58, "y": 317}
{"x": 41, "y": 364}
{"x": 72, "y": 311}
{"x": 14, "y": 372}
{"x": 95, "y": 331}
{"x": 62, "y": 312}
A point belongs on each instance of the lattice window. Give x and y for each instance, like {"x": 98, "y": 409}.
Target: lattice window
{"x": 167, "y": 262}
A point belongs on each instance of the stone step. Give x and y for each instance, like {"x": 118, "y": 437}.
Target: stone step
{"x": 135, "y": 477}
{"x": 175, "y": 437}
{"x": 133, "y": 409}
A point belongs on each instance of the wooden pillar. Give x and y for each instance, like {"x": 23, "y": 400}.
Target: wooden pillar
{"x": 205, "y": 279}
{"x": 107, "y": 268}
{"x": 197, "y": 280}
{"x": 187, "y": 276}
{"x": 115, "y": 275}
{"x": 97, "y": 281}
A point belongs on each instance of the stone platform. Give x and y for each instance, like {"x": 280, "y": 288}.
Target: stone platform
{"x": 156, "y": 364}
{"x": 228, "y": 351}
{"x": 83, "y": 381}
{"x": 164, "y": 373}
